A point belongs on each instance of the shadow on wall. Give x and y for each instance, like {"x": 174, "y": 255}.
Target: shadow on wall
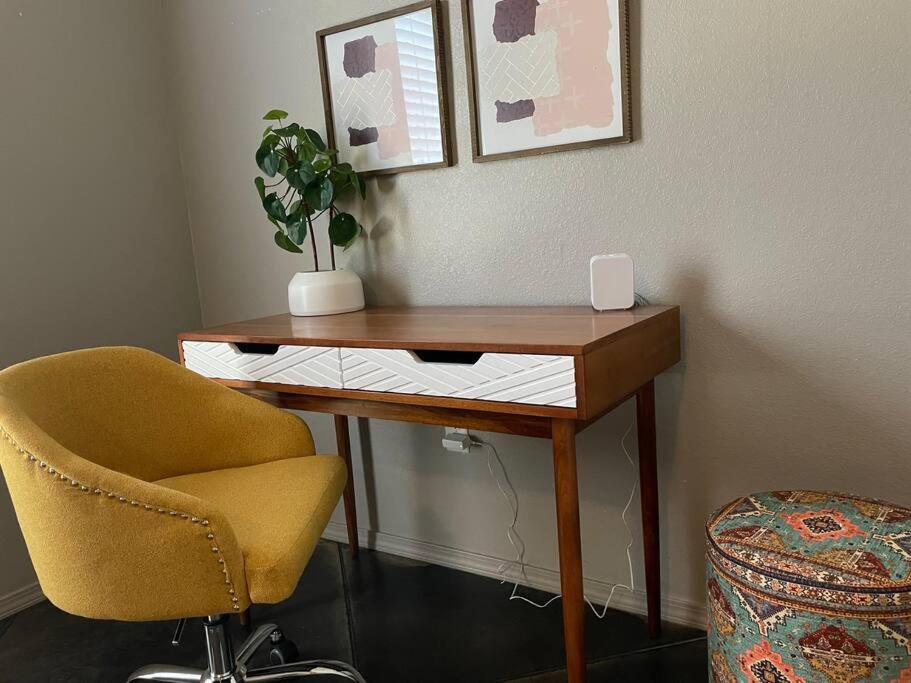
{"x": 752, "y": 412}
{"x": 382, "y": 286}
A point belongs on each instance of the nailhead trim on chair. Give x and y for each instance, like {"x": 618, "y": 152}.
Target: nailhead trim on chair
{"x": 210, "y": 536}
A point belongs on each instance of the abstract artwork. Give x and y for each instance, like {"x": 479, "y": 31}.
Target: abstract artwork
{"x": 546, "y": 75}
{"x": 384, "y": 91}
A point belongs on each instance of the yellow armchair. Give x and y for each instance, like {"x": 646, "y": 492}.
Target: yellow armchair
{"x": 147, "y": 492}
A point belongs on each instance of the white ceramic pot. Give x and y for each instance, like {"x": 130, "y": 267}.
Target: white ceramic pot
{"x": 326, "y": 292}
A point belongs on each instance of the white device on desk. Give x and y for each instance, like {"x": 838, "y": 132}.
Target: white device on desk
{"x": 612, "y": 282}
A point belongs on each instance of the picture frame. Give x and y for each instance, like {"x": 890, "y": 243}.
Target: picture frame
{"x": 540, "y": 108}
{"x": 367, "y": 66}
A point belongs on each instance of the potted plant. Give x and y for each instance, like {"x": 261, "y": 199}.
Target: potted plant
{"x": 303, "y": 181}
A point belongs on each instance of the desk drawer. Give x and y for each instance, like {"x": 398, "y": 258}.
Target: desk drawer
{"x": 508, "y": 377}
{"x": 310, "y": 366}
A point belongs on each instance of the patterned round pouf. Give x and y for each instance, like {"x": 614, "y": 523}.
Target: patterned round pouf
{"x": 807, "y": 587}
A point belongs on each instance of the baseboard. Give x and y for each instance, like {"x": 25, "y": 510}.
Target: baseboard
{"x": 19, "y": 599}
{"x": 673, "y": 609}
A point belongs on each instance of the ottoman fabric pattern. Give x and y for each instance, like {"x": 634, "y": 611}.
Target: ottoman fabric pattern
{"x": 807, "y": 587}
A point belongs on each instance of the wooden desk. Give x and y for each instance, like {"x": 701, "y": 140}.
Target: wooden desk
{"x": 542, "y": 372}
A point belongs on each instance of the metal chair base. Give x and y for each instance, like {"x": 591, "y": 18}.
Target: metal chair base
{"x": 224, "y": 667}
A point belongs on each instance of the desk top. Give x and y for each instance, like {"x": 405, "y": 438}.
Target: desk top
{"x": 564, "y": 330}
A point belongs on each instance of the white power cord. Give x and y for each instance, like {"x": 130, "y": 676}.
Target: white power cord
{"x": 518, "y": 545}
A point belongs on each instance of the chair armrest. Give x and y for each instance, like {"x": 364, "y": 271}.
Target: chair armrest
{"x": 109, "y": 546}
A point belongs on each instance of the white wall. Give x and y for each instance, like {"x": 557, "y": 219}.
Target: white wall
{"x": 767, "y": 194}
{"x": 94, "y": 240}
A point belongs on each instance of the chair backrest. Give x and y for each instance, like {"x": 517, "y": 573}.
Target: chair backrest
{"x": 129, "y": 410}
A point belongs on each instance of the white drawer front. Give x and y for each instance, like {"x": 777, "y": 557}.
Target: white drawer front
{"x": 311, "y": 366}
{"x": 509, "y": 377}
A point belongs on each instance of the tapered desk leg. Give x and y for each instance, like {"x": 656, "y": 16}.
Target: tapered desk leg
{"x": 344, "y": 451}
{"x": 648, "y": 477}
{"x": 566, "y": 487}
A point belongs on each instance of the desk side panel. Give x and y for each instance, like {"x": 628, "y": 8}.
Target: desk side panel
{"x": 613, "y": 372}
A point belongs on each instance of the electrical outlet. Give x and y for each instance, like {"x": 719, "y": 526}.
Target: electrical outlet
{"x": 456, "y": 439}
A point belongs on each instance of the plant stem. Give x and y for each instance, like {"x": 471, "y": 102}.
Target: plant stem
{"x": 331, "y": 244}
{"x": 312, "y": 242}
{"x": 291, "y": 157}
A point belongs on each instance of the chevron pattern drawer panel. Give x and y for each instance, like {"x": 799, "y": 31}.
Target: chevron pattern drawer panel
{"x": 312, "y": 366}
{"x": 509, "y": 377}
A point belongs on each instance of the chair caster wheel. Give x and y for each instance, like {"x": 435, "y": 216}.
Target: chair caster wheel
{"x": 282, "y": 651}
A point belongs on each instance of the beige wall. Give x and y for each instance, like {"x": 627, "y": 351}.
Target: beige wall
{"x": 767, "y": 194}
{"x": 94, "y": 241}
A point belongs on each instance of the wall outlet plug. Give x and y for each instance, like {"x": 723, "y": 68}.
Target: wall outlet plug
{"x": 456, "y": 440}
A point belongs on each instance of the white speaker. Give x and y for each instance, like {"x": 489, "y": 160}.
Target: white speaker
{"x": 612, "y": 282}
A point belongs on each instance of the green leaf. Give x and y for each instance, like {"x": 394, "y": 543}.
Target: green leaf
{"x": 288, "y": 131}
{"x": 274, "y": 207}
{"x": 361, "y": 184}
{"x": 341, "y": 181}
{"x": 299, "y": 210}
{"x": 260, "y": 186}
{"x": 344, "y": 167}
{"x": 343, "y": 229}
{"x": 319, "y": 193}
{"x": 322, "y": 164}
{"x": 282, "y": 240}
{"x": 267, "y": 131}
{"x": 275, "y": 115}
{"x": 297, "y": 231}
{"x": 300, "y": 175}
{"x": 305, "y": 149}
{"x": 315, "y": 139}
{"x": 267, "y": 160}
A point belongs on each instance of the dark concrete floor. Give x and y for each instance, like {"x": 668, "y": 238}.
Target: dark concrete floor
{"x": 397, "y": 620}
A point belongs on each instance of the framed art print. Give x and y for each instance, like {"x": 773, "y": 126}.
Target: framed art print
{"x": 384, "y": 90}
{"x": 546, "y": 75}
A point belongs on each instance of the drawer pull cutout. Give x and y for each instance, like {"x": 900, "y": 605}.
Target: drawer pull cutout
{"x": 259, "y": 349}
{"x": 452, "y": 357}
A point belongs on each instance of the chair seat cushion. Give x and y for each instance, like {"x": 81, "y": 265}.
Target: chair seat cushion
{"x": 818, "y": 551}
{"x": 278, "y": 511}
